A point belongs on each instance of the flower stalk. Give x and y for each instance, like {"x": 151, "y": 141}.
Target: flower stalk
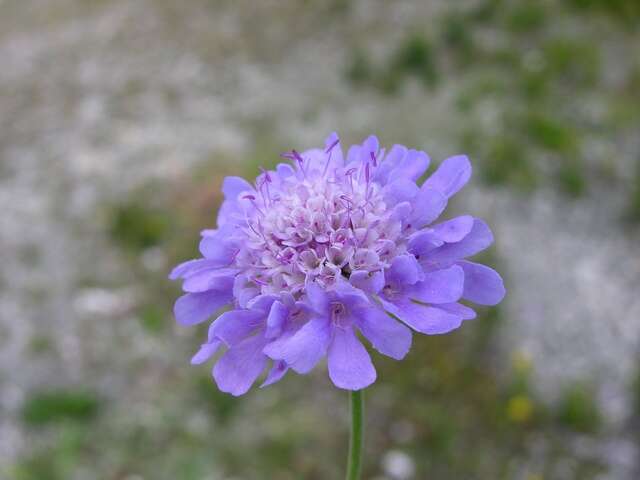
{"x": 354, "y": 465}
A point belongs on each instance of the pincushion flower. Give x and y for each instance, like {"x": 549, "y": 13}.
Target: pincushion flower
{"x": 327, "y": 249}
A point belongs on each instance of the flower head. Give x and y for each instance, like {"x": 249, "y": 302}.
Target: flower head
{"x": 324, "y": 247}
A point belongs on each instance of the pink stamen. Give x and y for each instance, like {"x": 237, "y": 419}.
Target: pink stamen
{"x": 252, "y": 199}
{"x": 328, "y": 150}
{"x": 250, "y": 225}
{"x": 266, "y": 174}
{"x": 297, "y": 156}
{"x": 265, "y": 183}
{"x": 349, "y": 174}
{"x": 367, "y": 192}
{"x": 326, "y": 166}
{"x": 300, "y": 161}
{"x": 346, "y": 199}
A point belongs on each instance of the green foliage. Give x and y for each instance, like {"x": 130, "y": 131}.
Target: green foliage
{"x": 626, "y": 11}
{"x": 41, "y": 344}
{"x": 507, "y": 162}
{"x": 578, "y": 409}
{"x": 359, "y": 71}
{"x": 154, "y": 318}
{"x": 487, "y": 86}
{"x": 633, "y": 81}
{"x": 389, "y": 81}
{"x": 56, "y": 462}
{"x": 416, "y": 56}
{"x": 526, "y": 16}
{"x": 571, "y": 178}
{"x": 534, "y": 86}
{"x": 137, "y": 226}
{"x": 278, "y": 453}
{"x": 572, "y": 61}
{"x": 540, "y": 76}
{"x": 633, "y": 203}
{"x": 486, "y": 11}
{"x": 457, "y": 35}
{"x": 550, "y": 133}
{"x": 221, "y": 405}
{"x": 52, "y": 406}
{"x": 413, "y": 57}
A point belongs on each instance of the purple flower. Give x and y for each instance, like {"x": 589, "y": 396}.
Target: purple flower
{"x": 324, "y": 247}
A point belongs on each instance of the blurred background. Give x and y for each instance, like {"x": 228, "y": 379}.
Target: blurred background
{"x": 118, "y": 121}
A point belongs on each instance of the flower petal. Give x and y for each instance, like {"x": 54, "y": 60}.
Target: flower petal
{"x": 401, "y": 211}
{"x": 422, "y": 318}
{"x": 229, "y": 213}
{"x": 455, "y": 229}
{"x": 404, "y": 270}
{"x": 451, "y": 175}
{"x": 207, "y": 350}
{"x": 317, "y": 298}
{"x": 482, "y": 284}
{"x": 423, "y": 242}
{"x": 370, "y": 145}
{"x": 391, "y": 161}
{"x": 191, "y": 267}
{"x": 284, "y": 171}
{"x": 412, "y": 166}
{"x": 262, "y": 303}
{"x": 439, "y": 286}
{"x": 400, "y": 190}
{"x": 235, "y": 325}
{"x": 429, "y": 204}
{"x": 275, "y": 321}
{"x": 194, "y": 308}
{"x": 458, "y": 309}
{"x": 395, "y": 156}
{"x": 349, "y": 363}
{"x": 370, "y": 282}
{"x": 244, "y": 291}
{"x": 278, "y": 370}
{"x": 234, "y": 186}
{"x": 353, "y": 156}
{"x": 387, "y": 335}
{"x": 349, "y": 295}
{"x": 479, "y": 238}
{"x": 240, "y": 366}
{"x": 218, "y": 249}
{"x": 305, "y": 348}
{"x": 314, "y": 161}
{"x": 210, "y": 279}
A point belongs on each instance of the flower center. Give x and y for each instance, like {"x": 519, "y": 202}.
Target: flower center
{"x": 318, "y": 229}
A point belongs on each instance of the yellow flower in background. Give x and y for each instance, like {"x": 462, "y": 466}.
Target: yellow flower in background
{"x": 519, "y": 409}
{"x": 521, "y": 361}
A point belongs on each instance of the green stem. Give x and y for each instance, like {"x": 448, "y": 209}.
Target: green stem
{"x": 357, "y": 430}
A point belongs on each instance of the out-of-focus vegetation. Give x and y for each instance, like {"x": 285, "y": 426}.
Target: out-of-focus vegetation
{"x": 48, "y": 407}
{"x": 531, "y": 85}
